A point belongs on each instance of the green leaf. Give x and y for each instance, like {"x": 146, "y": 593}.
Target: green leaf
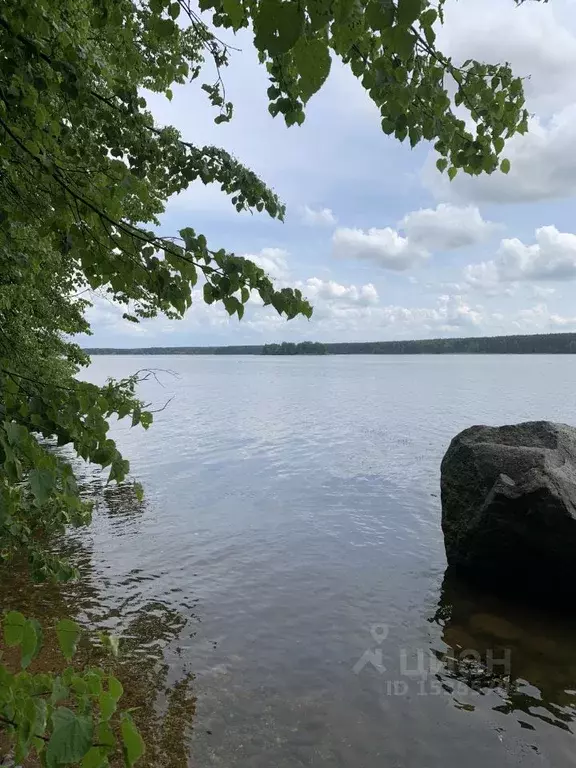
{"x": 348, "y": 27}
{"x": 96, "y": 757}
{"x": 278, "y": 26}
{"x": 60, "y": 692}
{"x": 68, "y": 633}
{"x": 93, "y": 680}
{"x": 430, "y": 35}
{"x": 133, "y": 744}
{"x": 164, "y": 28}
{"x": 402, "y": 42}
{"x": 31, "y": 721}
{"x": 136, "y": 413}
{"x": 505, "y": 165}
{"x": 312, "y": 60}
{"x": 35, "y": 711}
{"x": 115, "y": 688}
{"x": 41, "y": 484}
{"x": 233, "y": 8}
{"x": 441, "y": 164}
{"x": 189, "y": 236}
{"x": 71, "y": 738}
{"x": 380, "y": 14}
{"x": 107, "y": 704}
{"x": 13, "y": 628}
{"x": 320, "y": 13}
{"x": 112, "y": 642}
{"x": 174, "y": 10}
{"x": 31, "y": 642}
{"x": 118, "y": 470}
{"x": 428, "y": 18}
{"x": 139, "y": 492}
{"x": 408, "y": 11}
{"x": 498, "y": 142}
{"x": 414, "y": 135}
{"x": 388, "y": 125}
{"x": 104, "y": 734}
{"x": 16, "y": 432}
{"x": 452, "y": 171}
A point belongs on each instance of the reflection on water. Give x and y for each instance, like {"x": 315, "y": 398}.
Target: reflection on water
{"x": 114, "y": 500}
{"x": 164, "y": 703}
{"x": 525, "y": 656}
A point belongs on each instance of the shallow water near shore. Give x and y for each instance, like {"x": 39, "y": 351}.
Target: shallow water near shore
{"x": 282, "y": 590}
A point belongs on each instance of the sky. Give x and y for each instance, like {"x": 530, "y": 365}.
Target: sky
{"x": 380, "y": 242}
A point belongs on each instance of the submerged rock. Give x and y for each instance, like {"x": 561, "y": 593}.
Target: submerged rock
{"x": 509, "y": 507}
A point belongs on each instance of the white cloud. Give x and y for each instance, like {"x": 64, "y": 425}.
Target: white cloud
{"x": 543, "y": 166}
{"x": 454, "y": 313}
{"x": 272, "y": 260}
{"x": 384, "y": 246}
{"x": 447, "y": 288}
{"x": 446, "y": 227}
{"x": 349, "y": 316}
{"x": 541, "y": 292}
{"x": 320, "y": 217}
{"x": 551, "y": 257}
{"x": 335, "y": 306}
{"x": 341, "y": 312}
{"x": 539, "y": 319}
{"x": 378, "y": 174}
{"x": 561, "y": 322}
{"x": 537, "y": 39}
{"x": 483, "y": 276}
{"x": 105, "y": 316}
{"x": 314, "y": 288}
{"x": 443, "y": 228}
{"x": 451, "y": 314}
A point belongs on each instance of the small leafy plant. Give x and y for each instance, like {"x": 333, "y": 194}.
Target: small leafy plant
{"x": 67, "y": 718}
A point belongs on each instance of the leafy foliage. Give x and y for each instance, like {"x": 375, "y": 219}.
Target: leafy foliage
{"x": 85, "y": 172}
{"x": 390, "y": 45}
{"x": 65, "y": 718}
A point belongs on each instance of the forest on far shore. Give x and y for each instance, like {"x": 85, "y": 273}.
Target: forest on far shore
{"x": 535, "y": 344}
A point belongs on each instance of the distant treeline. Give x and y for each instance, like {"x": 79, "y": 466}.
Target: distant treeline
{"x": 544, "y": 344}
{"x": 289, "y": 348}
{"x": 235, "y": 350}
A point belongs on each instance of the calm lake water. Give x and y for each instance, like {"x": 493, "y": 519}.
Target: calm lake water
{"x": 288, "y": 565}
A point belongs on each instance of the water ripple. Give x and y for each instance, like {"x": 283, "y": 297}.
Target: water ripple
{"x": 292, "y": 510}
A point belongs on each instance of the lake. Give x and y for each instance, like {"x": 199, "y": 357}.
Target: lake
{"x": 287, "y": 566}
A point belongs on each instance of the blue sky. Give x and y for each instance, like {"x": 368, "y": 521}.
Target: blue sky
{"x": 382, "y": 244}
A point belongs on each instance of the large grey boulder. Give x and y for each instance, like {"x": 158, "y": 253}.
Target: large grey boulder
{"x": 509, "y": 507}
